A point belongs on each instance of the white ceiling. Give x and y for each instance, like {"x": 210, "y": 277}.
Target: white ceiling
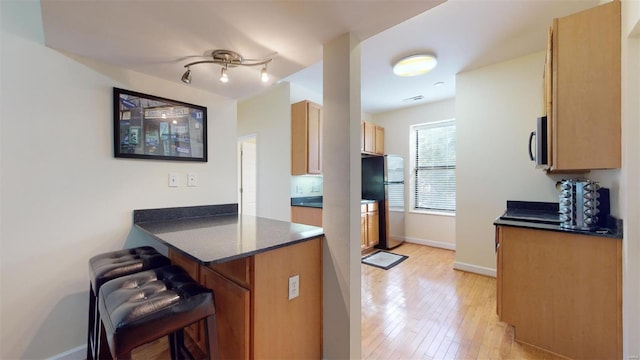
{"x": 159, "y": 37}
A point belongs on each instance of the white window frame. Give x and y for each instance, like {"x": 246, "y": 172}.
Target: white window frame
{"x": 413, "y": 155}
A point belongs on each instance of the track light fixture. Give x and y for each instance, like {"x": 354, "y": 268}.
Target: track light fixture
{"x": 228, "y": 59}
{"x": 186, "y": 78}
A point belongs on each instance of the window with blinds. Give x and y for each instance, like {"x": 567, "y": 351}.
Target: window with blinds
{"x": 435, "y": 166}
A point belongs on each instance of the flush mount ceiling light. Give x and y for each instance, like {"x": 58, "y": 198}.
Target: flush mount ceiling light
{"x": 228, "y": 59}
{"x": 415, "y": 65}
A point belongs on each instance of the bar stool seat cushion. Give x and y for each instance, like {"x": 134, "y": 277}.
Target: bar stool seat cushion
{"x": 107, "y": 266}
{"x": 141, "y": 307}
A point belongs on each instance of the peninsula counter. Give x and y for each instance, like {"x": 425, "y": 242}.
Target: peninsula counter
{"x": 249, "y": 263}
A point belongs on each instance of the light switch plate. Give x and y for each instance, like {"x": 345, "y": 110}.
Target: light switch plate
{"x": 294, "y": 287}
{"x": 173, "y": 180}
{"x": 192, "y": 179}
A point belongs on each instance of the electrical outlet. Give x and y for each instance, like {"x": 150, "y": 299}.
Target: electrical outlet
{"x": 173, "y": 180}
{"x": 192, "y": 179}
{"x": 294, "y": 287}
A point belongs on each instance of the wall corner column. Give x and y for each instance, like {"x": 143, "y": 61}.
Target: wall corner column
{"x": 341, "y": 198}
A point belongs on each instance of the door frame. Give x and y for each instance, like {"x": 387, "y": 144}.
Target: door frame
{"x": 249, "y": 138}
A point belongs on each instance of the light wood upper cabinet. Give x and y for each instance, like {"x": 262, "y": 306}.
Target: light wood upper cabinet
{"x": 372, "y": 139}
{"x": 379, "y": 148}
{"x": 306, "y": 138}
{"x": 369, "y": 137}
{"x": 582, "y": 90}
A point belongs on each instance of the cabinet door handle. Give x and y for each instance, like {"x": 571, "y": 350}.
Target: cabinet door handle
{"x": 531, "y": 136}
{"x": 497, "y": 246}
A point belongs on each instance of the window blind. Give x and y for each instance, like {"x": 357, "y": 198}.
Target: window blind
{"x": 435, "y": 166}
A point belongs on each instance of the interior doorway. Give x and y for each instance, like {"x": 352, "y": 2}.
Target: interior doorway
{"x": 247, "y": 174}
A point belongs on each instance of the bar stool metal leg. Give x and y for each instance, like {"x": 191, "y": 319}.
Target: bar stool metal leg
{"x": 91, "y": 329}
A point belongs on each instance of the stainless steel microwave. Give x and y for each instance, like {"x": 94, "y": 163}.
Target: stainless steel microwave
{"x": 538, "y": 150}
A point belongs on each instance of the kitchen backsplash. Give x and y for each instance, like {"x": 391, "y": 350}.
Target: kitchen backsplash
{"x": 303, "y": 186}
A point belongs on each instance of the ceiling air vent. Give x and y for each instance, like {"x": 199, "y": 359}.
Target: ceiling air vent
{"x": 414, "y": 98}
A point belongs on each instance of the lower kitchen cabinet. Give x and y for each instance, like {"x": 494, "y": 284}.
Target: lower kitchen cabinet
{"x": 369, "y": 226}
{"x": 364, "y": 243}
{"x": 254, "y": 316}
{"x": 233, "y": 310}
{"x": 561, "y": 291}
{"x": 195, "y": 331}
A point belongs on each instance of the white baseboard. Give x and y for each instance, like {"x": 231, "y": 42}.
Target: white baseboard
{"x": 74, "y": 354}
{"x": 436, "y": 244}
{"x": 475, "y": 269}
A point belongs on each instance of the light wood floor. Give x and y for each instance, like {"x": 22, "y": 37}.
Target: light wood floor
{"x": 424, "y": 309}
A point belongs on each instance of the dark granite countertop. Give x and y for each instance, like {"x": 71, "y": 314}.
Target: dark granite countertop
{"x": 307, "y": 201}
{"x": 215, "y": 234}
{"x": 551, "y": 227}
{"x": 316, "y": 201}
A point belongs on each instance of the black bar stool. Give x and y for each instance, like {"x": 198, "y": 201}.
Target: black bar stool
{"x": 139, "y": 308}
{"x": 111, "y": 265}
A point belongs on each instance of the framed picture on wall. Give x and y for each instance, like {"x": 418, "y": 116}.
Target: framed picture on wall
{"x": 151, "y": 127}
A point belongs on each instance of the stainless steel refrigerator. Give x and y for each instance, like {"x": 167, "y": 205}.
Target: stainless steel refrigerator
{"x": 383, "y": 181}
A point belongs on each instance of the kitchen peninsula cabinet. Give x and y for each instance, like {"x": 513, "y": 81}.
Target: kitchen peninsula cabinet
{"x": 372, "y": 139}
{"x": 562, "y": 291}
{"x": 248, "y": 261}
{"x": 252, "y": 307}
{"x": 582, "y": 90}
{"x": 306, "y": 138}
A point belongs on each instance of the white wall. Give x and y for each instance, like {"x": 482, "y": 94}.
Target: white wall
{"x": 428, "y": 229}
{"x": 64, "y": 196}
{"x": 303, "y": 186}
{"x": 496, "y": 108}
{"x": 299, "y": 93}
{"x": 268, "y": 115}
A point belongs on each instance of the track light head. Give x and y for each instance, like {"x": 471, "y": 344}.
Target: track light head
{"x": 186, "y": 77}
{"x": 263, "y": 74}
{"x": 223, "y": 75}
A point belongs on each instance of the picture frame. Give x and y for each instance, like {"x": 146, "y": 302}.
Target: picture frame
{"x": 156, "y": 128}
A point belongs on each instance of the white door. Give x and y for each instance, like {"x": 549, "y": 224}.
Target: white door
{"x": 247, "y": 179}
